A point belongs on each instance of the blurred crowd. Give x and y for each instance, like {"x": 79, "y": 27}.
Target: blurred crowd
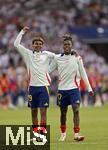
{"x": 52, "y": 19}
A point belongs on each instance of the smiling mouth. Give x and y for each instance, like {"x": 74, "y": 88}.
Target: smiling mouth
{"x": 38, "y": 47}
{"x": 67, "y": 50}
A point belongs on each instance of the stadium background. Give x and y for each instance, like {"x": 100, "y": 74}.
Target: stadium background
{"x": 87, "y": 21}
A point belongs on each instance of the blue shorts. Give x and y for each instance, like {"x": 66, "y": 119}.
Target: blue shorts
{"x": 68, "y": 97}
{"x": 38, "y": 96}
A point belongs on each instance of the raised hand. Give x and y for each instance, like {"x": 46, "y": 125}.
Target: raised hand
{"x": 26, "y": 29}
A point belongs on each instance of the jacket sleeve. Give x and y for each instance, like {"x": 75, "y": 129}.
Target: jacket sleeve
{"x": 50, "y": 54}
{"x": 17, "y": 43}
{"x": 83, "y": 74}
{"x": 53, "y": 65}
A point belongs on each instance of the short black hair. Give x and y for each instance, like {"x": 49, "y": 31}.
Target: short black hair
{"x": 38, "y": 39}
{"x": 68, "y": 37}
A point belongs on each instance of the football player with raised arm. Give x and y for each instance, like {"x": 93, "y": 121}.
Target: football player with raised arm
{"x": 37, "y": 62}
{"x": 71, "y": 70}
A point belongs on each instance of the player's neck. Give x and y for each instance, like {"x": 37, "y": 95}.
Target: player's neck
{"x": 67, "y": 53}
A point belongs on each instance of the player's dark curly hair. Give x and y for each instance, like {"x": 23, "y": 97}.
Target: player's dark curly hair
{"x": 67, "y": 37}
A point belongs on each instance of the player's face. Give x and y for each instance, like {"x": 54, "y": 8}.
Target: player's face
{"x": 67, "y": 46}
{"x": 37, "y": 46}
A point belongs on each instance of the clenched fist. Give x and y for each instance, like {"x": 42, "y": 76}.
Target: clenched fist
{"x": 25, "y": 29}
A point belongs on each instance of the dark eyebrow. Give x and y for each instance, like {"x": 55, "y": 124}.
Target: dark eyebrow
{"x": 66, "y": 43}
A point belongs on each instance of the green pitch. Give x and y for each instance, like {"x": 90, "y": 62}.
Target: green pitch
{"x": 94, "y": 126}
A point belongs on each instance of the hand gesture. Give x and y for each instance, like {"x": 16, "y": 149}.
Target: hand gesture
{"x": 91, "y": 93}
{"x": 26, "y": 29}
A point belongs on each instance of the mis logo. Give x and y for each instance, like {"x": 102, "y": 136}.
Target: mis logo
{"x": 23, "y": 137}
